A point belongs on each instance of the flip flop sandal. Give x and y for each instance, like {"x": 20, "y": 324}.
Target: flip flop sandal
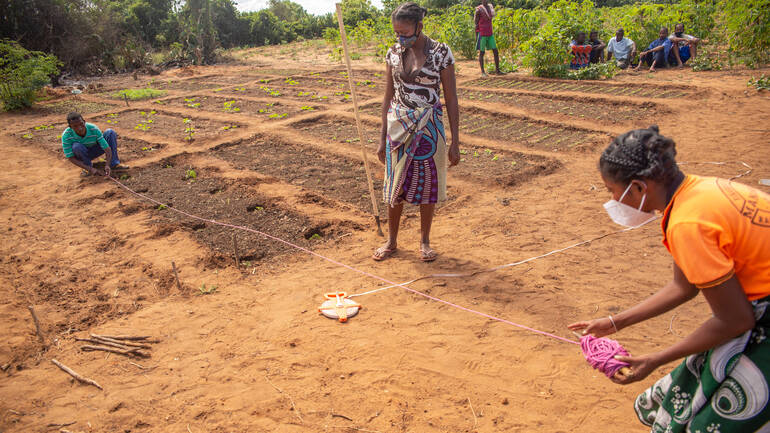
{"x": 383, "y": 253}
{"x": 428, "y": 256}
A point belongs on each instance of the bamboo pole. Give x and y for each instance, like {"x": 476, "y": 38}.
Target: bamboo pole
{"x": 370, "y": 184}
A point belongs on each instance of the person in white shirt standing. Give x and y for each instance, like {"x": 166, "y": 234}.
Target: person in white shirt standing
{"x": 687, "y": 45}
{"x": 622, "y": 48}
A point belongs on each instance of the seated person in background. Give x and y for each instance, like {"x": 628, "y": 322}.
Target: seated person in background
{"x": 657, "y": 54}
{"x": 82, "y": 142}
{"x": 622, "y": 48}
{"x": 581, "y": 52}
{"x": 687, "y": 45}
{"x": 597, "y": 47}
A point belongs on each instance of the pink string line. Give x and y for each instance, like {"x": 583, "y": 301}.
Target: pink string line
{"x": 328, "y": 259}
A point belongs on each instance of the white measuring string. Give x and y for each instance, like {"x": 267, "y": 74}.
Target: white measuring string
{"x": 507, "y": 265}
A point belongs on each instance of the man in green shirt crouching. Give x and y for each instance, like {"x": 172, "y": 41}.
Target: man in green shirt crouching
{"x": 82, "y": 142}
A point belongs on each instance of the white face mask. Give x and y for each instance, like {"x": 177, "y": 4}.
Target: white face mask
{"x": 625, "y": 215}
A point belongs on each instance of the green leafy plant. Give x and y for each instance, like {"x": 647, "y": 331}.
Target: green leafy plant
{"x": 594, "y": 71}
{"x": 315, "y": 237}
{"x": 162, "y": 206}
{"x": 190, "y": 174}
{"x": 139, "y": 94}
{"x": 761, "y": 83}
{"x": 307, "y": 108}
{"x": 203, "y": 290}
{"x": 22, "y": 74}
{"x": 229, "y": 106}
{"x": 27, "y": 136}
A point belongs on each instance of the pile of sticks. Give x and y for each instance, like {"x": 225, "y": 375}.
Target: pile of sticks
{"x": 126, "y": 345}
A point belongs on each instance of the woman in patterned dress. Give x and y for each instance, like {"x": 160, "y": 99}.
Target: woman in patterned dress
{"x": 718, "y": 233}
{"x": 413, "y": 141}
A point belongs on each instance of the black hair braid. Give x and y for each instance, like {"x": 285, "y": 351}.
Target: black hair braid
{"x": 640, "y": 154}
{"x": 409, "y": 11}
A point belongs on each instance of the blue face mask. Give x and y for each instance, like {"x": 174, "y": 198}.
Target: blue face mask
{"x": 408, "y": 41}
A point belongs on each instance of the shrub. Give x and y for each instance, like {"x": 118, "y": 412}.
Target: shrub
{"x": 514, "y": 27}
{"x": 547, "y": 52}
{"x": 22, "y": 74}
{"x": 455, "y": 28}
{"x": 747, "y": 27}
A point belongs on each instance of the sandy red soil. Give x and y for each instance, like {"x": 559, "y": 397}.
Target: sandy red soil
{"x": 254, "y": 354}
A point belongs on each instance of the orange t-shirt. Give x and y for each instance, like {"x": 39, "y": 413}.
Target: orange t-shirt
{"x": 715, "y": 228}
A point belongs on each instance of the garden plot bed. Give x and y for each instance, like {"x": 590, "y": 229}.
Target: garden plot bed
{"x": 532, "y": 84}
{"x": 340, "y": 84}
{"x": 271, "y": 110}
{"x": 168, "y": 125}
{"x": 339, "y": 130}
{"x": 48, "y": 137}
{"x": 200, "y": 191}
{"x": 511, "y": 129}
{"x": 326, "y": 174}
{"x": 589, "y": 108}
{"x": 280, "y": 90}
{"x": 280, "y": 72}
{"x": 358, "y": 74}
{"x": 73, "y": 104}
{"x": 191, "y": 84}
{"x": 524, "y": 131}
{"x": 503, "y": 167}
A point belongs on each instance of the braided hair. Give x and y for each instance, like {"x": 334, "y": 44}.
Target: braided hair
{"x": 640, "y": 154}
{"x": 409, "y": 11}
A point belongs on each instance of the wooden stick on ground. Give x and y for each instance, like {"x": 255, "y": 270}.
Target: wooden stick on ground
{"x": 235, "y": 250}
{"x": 131, "y": 352}
{"x": 126, "y": 343}
{"x": 105, "y": 343}
{"x": 351, "y": 83}
{"x": 37, "y": 325}
{"x": 78, "y": 377}
{"x": 124, "y": 337}
{"x": 176, "y": 276}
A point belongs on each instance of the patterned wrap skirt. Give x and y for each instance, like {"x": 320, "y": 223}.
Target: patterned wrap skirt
{"x": 722, "y": 390}
{"x": 416, "y": 159}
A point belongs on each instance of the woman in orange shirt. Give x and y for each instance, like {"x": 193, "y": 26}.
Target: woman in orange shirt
{"x": 718, "y": 233}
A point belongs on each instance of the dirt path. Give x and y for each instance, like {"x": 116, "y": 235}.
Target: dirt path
{"x": 254, "y": 355}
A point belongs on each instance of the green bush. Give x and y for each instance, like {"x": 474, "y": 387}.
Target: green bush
{"x": 513, "y": 27}
{"x": 747, "y": 28}
{"x": 22, "y": 74}
{"x": 455, "y": 28}
{"x": 547, "y": 52}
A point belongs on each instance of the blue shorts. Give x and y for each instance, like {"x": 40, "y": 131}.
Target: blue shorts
{"x": 684, "y": 53}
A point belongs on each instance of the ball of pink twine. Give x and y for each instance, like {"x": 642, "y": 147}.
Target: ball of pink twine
{"x": 600, "y": 353}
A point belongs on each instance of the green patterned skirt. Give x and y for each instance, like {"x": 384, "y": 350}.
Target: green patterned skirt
{"x": 722, "y": 390}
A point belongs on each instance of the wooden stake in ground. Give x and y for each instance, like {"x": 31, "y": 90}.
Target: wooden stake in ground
{"x": 79, "y": 378}
{"x": 125, "y": 98}
{"x": 176, "y": 276}
{"x": 37, "y": 325}
{"x": 235, "y": 251}
{"x": 370, "y": 184}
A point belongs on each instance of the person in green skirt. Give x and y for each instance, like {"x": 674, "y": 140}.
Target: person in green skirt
{"x": 718, "y": 233}
{"x": 485, "y": 39}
